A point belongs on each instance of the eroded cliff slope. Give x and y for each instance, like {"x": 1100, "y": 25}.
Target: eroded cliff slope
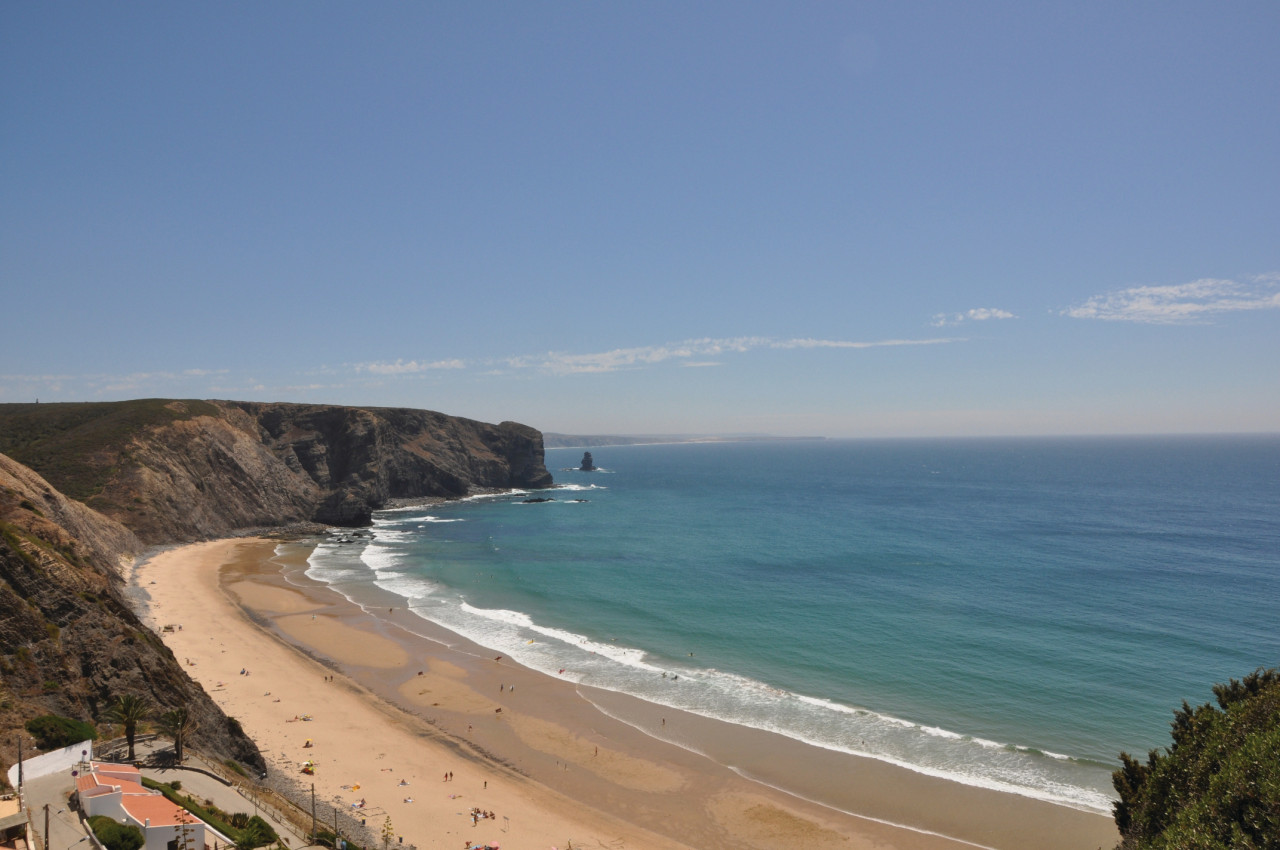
{"x": 69, "y": 645}
{"x": 175, "y": 471}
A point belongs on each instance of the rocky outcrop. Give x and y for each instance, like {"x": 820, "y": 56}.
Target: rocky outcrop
{"x": 588, "y": 464}
{"x": 69, "y": 644}
{"x": 176, "y": 471}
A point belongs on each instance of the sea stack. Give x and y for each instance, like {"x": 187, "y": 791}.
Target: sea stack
{"x": 588, "y": 465}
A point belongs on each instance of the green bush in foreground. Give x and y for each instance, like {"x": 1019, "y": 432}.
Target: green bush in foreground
{"x": 1218, "y": 784}
{"x": 116, "y": 836}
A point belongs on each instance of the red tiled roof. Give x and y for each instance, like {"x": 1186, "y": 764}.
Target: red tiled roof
{"x": 156, "y": 807}
{"x": 116, "y": 768}
{"x": 90, "y": 781}
{"x": 141, "y": 803}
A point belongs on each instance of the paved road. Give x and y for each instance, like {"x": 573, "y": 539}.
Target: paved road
{"x": 64, "y": 825}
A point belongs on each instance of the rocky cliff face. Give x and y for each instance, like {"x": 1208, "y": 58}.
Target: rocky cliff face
{"x": 183, "y": 470}
{"x": 158, "y": 471}
{"x": 69, "y": 645}
{"x": 360, "y": 458}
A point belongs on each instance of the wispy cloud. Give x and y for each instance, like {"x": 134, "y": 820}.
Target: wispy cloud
{"x": 706, "y": 352}
{"x": 409, "y": 367}
{"x": 1186, "y": 303}
{"x": 692, "y": 352}
{"x": 977, "y": 314}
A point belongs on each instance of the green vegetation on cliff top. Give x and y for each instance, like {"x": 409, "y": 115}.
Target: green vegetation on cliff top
{"x": 1218, "y": 785}
{"x": 76, "y": 446}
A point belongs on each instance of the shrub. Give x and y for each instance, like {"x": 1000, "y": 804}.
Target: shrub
{"x": 1218, "y": 785}
{"x": 53, "y": 732}
{"x": 257, "y": 833}
{"x": 116, "y": 836}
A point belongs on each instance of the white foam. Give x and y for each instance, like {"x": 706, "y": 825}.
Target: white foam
{"x": 923, "y": 748}
{"x": 411, "y": 587}
{"x": 379, "y": 558}
{"x": 484, "y": 497}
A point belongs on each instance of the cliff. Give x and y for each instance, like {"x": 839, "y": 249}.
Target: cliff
{"x": 176, "y": 471}
{"x": 70, "y": 643}
{"x": 84, "y": 488}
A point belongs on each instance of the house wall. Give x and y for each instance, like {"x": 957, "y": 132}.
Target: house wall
{"x": 108, "y": 804}
{"x": 54, "y": 761}
{"x": 158, "y": 837}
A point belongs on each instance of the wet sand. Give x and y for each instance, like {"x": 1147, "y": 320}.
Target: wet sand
{"x": 410, "y": 701}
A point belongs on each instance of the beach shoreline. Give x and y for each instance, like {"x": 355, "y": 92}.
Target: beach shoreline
{"x": 571, "y": 760}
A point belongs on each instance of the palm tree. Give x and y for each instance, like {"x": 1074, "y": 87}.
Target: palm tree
{"x": 129, "y": 710}
{"x": 177, "y": 724}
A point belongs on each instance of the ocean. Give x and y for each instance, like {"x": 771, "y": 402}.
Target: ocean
{"x": 1007, "y": 613}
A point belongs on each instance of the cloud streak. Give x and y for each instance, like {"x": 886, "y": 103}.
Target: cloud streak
{"x": 1187, "y": 303}
{"x": 706, "y": 352}
{"x": 409, "y": 367}
{"x": 977, "y": 314}
{"x": 689, "y": 353}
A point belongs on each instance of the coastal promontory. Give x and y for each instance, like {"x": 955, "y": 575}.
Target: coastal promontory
{"x": 184, "y": 470}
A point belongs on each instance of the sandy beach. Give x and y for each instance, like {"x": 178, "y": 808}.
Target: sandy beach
{"x": 396, "y": 707}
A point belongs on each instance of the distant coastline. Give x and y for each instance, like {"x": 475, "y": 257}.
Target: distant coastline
{"x": 553, "y": 440}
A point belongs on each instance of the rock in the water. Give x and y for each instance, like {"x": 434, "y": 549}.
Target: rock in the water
{"x": 588, "y": 465}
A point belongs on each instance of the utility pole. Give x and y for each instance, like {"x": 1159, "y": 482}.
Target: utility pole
{"x": 19, "y": 761}
{"x": 335, "y": 828}
{"x": 46, "y": 826}
{"x": 313, "y": 811}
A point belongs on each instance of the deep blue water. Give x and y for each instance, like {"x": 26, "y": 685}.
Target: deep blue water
{"x": 1011, "y": 613}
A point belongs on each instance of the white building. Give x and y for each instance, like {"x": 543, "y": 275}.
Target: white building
{"x": 116, "y": 791}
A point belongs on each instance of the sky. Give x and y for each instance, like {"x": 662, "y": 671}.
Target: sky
{"x": 838, "y": 219}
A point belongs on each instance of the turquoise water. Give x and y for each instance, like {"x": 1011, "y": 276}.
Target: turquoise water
{"x": 1007, "y": 613}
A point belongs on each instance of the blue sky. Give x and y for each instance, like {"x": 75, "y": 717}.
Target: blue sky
{"x": 886, "y": 219}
